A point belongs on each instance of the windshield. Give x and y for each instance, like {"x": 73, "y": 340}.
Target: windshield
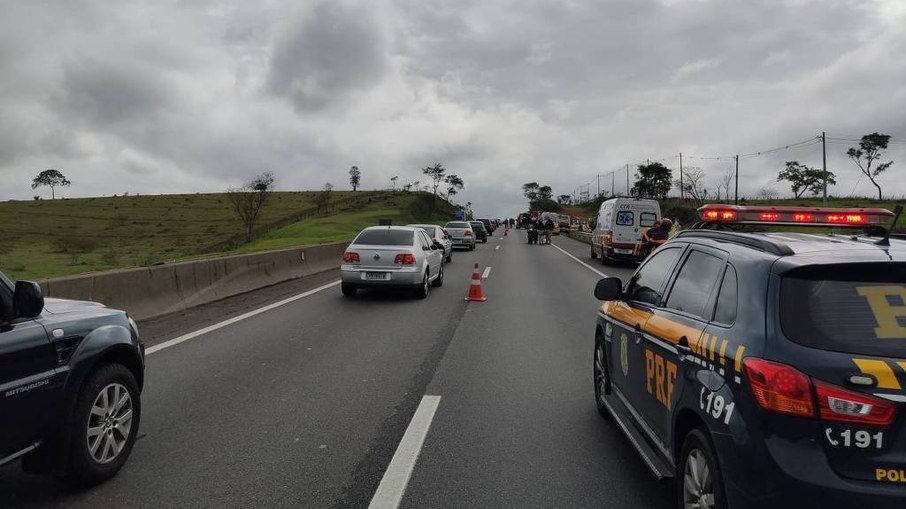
{"x": 477, "y": 225}
{"x": 457, "y": 224}
{"x": 857, "y": 308}
{"x": 385, "y": 238}
{"x": 430, "y": 230}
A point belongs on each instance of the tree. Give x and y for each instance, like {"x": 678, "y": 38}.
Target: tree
{"x": 355, "y": 177}
{"x": 322, "y": 199}
{"x": 693, "y": 185}
{"x": 545, "y": 193}
{"x": 393, "y": 180}
{"x": 564, "y": 199}
{"x": 454, "y": 184}
{"x": 248, "y": 200}
{"x": 436, "y": 173}
{"x": 803, "y": 179}
{"x": 726, "y": 179}
{"x": 871, "y": 147}
{"x": 543, "y": 205}
{"x": 51, "y": 178}
{"x": 767, "y": 194}
{"x": 530, "y": 191}
{"x": 652, "y": 181}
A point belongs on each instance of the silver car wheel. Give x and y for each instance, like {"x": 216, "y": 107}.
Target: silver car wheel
{"x": 698, "y": 491}
{"x": 109, "y": 423}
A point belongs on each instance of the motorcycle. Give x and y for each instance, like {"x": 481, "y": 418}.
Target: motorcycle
{"x": 532, "y": 235}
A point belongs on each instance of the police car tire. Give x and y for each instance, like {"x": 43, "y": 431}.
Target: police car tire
{"x": 83, "y": 469}
{"x": 594, "y": 254}
{"x": 599, "y": 343}
{"x": 698, "y": 439}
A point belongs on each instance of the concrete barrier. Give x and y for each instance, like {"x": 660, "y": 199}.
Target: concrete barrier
{"x": 149, "y": 292}
{"x": 580, "y": 236}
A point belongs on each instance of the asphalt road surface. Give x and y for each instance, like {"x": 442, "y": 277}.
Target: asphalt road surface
{"x": 307, "y": 403}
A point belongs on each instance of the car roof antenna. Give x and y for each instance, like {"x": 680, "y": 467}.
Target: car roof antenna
{"x": 896, "y": 217}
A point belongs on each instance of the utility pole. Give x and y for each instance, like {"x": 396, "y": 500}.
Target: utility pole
{"x": 681, "y": 192}
{"x": 824, "y": 164}
{"x": 736, "y": 197}
{"x": 599, "y": 186}
{"x": 613, "y": 179}
{"x": 627, "y": 180}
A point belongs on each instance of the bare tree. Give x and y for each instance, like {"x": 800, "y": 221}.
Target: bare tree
{"x": 322, "y": 200}
{"x": 393, "y": 180}
{"x": 766, "y": 193}
{"x": 725, "y": 181}
{"x": 693, "y": 184}
{"x": 248, "y": 200}
{"x": 871, "y": 148}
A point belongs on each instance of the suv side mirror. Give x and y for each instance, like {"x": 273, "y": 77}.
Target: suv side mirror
{"x": 28, "y": 301}
{"x": 609, "y": 288}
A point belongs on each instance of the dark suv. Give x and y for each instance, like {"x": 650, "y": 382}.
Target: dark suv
{"x": 71, "y": 376}
{"x": 481, "y": 233}
{"x": 763, "y": 369}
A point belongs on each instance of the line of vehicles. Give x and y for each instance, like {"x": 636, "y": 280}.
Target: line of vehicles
{"x": 760, "y": 368}
{"x": 410, "y": 257}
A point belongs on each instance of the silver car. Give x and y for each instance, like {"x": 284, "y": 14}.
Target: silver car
{"x": 461, "y": 234}
{"x": 399, "y": 256}
{"x": 437, "y": 234}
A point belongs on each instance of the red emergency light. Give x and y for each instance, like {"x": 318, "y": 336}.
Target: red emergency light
{"x": 811, "y": 216}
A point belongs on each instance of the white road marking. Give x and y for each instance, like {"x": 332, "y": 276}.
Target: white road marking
{"x": 393, "y": 485}
{"x": 486, "y": 273}
{"x": 496, "y": 248}
{"x": 231, "y": 321}
{"x": 587, "y": 266}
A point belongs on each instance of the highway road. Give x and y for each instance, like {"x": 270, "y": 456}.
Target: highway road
{"x": 315, "y": 401}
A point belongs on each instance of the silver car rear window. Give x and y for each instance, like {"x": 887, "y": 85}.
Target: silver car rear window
{"x": 385, "y": 238}
{"x": 458, "y": 224}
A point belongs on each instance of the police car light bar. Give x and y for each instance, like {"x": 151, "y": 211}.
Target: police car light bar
{"x": 806, "y": 216}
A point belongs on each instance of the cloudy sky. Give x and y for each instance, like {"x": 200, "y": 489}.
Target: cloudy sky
{"x": 197, "y": 96}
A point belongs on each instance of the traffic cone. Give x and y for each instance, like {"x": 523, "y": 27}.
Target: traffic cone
{"x": 506, "y": 231}
{"x": 475, "y": 293}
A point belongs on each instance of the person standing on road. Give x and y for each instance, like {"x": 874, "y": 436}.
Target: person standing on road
{"x": 548, "y": 230}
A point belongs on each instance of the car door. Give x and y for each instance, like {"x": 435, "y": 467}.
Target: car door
{"x": 674, "y": 328}
{"x": 27, "y": 365}
{"x": 431, "y": 254}
{"x": 629, "y": 318}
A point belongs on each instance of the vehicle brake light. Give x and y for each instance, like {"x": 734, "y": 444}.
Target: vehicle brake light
{"x": 779, "y": 388}
{"x": 846, "y": 218}
{"x": 842, "y": 405}
{"x": 608, "y": 239}
{"x": 405, "y": 259}
{"x": 468, "y": 233}
{"x": 350, "y": 257}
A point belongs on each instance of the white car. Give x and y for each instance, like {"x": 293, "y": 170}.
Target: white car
{"x": 386, "y": 256}
{"x": 461, "y": 234}
{"x": 438, "y": 234}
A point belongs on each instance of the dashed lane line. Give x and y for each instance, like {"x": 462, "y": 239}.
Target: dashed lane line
{"x": 486, "y": 273}
{"x": 393, "y": 485}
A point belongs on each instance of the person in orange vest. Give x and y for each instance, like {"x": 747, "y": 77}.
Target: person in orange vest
{"x": 656, "y": 235}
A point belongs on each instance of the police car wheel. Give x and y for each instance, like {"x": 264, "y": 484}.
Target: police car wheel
{"x": 601, "y": 376}
{"x": 699, "y": 483}
{"x": 594, "y": 254}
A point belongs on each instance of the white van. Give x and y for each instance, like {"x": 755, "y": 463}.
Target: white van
{"x": 621, "y": 221}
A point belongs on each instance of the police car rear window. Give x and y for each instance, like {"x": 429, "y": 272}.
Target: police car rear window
{"x": 385, "y": 238}
{"x": 855, "y": 308}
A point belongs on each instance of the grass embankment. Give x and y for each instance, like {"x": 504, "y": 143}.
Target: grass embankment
{"x": 50, "y": 238}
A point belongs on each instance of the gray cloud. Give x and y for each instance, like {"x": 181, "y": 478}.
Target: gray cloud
{"x": 335, "y": 49}
{"x": 501, "y": 91}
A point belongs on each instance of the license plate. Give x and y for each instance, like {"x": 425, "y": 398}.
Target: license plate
{"x": 622, "y": 251}
{"x": 381, "y": 276}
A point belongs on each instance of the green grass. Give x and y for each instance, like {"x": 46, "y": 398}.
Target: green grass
{"x": 51, "y": 238}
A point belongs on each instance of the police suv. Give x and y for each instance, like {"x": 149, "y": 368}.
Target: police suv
{"x": 764, "y": 369}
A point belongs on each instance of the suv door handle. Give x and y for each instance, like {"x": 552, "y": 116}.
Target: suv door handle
{"x": 682, "y": 348}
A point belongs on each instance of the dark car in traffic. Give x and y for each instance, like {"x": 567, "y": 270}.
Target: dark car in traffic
{"x": 71, "y": 376}
{"x": 763, "y": 369}
{"x": 481, "y": 233}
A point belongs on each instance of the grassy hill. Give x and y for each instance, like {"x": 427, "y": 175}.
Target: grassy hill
{"x": 50, "y": 238}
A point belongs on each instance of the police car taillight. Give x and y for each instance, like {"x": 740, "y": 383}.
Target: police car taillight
{"x": 820, "y": 216}
{"x": 779, "y": 388}
{"x": 842, "y": 405}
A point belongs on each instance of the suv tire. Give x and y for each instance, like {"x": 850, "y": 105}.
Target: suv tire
{"x": 699, "y": 463}
{"x": 601, "y": 376}
{"x": 118, "y": 420}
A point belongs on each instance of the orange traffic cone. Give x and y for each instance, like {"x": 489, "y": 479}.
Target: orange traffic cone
{"x": 475, "y": 293}
{"x": 506, "y": 231}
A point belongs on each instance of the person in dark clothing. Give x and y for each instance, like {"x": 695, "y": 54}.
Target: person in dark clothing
{"x": 656, "y": 235}
{"x": 548, "y": 230}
